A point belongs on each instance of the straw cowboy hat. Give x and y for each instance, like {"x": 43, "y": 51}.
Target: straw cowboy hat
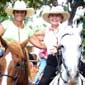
{"x": 19, "y": 5}
{"x": 55, "y": 10}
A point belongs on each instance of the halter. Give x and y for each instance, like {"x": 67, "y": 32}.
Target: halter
{"x": 15, "y": 78}
{"x": 59, "y": 69}
{"x": 63, "y": 62}
{"x": 22, "y": 69}
{"x": 60, "y": 54}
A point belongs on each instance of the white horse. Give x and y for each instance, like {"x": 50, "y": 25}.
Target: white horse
{"x": 71, "y": 50}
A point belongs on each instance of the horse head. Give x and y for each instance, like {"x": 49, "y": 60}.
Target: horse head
{"x": 14, "y": 64}
{"x": 71, "y": 50}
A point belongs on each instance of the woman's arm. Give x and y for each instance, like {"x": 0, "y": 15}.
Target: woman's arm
{"x": 40, "y": 33}
{"x": 1, "y": 30}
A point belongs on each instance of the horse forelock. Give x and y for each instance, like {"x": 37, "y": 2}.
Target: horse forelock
{"x": 70, "y": 38}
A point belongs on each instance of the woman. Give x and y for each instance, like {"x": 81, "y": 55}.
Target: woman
{"x": 16, "y": 29}
{"x": 55, "y": 16}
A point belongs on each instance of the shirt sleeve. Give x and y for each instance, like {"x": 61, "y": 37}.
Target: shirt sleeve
{"x": 5, "y": 24}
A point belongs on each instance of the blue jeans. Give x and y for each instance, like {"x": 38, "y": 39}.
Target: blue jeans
{"x": 1, "y": 52}
{"x": 50, "y": 69}
{"x": 41, "y": 69}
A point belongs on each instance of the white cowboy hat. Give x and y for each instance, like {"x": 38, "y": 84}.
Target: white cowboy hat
{"x": 19, "y": 5}
{"x": 55, "y": 10}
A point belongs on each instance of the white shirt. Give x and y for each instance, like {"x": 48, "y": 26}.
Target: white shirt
{"x": 52, "y": 38}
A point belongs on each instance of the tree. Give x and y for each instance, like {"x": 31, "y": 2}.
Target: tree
{"x": 31, "y": 3}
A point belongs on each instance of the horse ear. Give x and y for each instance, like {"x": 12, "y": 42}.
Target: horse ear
{"x": 78, "y": 28}
{"x": 24, "y": 43}
{"x": 3, "y": 42}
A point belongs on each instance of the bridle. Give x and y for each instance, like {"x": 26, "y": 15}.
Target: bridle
{"x": 59, "y": 69}
{"x": 21, "y": 67}
{"x": 63, "y": 62}
{"x": 15, "y": 78}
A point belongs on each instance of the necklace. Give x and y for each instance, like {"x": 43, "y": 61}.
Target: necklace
{"x": 19, "y": 34}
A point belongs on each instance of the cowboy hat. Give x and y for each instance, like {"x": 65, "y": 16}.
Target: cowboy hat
{"x": 19, "y": 5}
{"x": 55, "y": 10}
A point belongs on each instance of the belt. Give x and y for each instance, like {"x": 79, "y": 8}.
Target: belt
{"x": 53, "y": 54}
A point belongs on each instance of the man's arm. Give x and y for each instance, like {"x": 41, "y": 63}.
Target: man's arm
{"x": 37, "y": 40}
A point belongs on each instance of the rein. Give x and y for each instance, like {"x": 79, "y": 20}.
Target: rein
{"x": 60, "y": 55}
{"x": 1, "y": 75}
{"x": 59, "y": 69}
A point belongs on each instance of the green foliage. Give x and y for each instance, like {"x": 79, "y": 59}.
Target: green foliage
{"x": 3, "y": 15}
{"x": 83, "y": 33}
{"x": 31, "y": 3}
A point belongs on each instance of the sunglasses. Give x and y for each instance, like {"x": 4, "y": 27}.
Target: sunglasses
{"x": 19, "y": 11}
{"x": 55, "y": 15}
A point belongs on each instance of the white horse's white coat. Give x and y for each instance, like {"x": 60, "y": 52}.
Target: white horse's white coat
{"x": 71, "y": 52}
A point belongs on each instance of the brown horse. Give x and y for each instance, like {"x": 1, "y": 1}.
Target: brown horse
{"x": 14, "y": 68}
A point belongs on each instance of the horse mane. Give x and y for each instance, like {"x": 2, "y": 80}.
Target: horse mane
{"x": 15, "y": 48}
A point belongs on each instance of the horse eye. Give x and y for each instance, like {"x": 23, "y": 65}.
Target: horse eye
{"x": 17, "y": 65}
{"x": 80, "y": 46}
{"x": 68, "y": 73}
{"x": 60, "y": 47}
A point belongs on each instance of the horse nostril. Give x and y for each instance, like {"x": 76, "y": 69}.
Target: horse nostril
{"x": 68, "y": 74}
